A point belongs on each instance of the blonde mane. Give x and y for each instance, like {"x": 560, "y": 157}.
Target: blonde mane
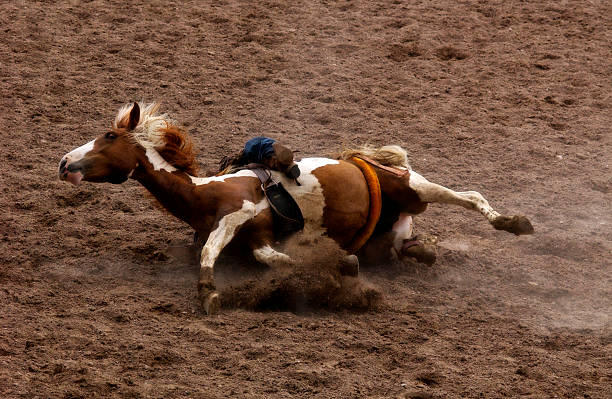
{"x": 388, "y": 155}
{"x": 161, "y": 133}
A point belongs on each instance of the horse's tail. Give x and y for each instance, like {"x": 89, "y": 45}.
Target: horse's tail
{"x": 388, "y": 155}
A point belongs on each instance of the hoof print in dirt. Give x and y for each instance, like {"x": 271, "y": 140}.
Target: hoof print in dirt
{"x": 75, "y": 199}
{"x": 448, "y": 53}
{"x": 169, "y": 308}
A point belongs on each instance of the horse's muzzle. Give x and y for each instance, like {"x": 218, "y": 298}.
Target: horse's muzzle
{"x": 70, "y": 172}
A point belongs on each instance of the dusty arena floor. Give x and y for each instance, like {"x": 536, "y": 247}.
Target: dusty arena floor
{"x": 509, "y": 98}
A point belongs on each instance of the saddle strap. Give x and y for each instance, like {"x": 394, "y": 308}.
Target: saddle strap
{"x": 262, "y": 173}
{"x": 287, "y": 211}
{"x": 396, "y": 171}
{"x": 364, "y": 234}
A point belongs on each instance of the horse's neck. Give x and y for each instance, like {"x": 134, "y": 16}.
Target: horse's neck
{"x": 172, "y": 190}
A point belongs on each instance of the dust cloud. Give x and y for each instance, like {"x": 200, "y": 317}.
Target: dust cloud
{"x": 314, "y": 282}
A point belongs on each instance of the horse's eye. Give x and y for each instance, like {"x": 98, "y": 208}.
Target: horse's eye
{"x": 110, "y": 136}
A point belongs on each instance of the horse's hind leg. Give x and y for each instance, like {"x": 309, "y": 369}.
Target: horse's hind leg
{"x": 431, "y": 192}
{"x": 406, "y": 244}
{"x": 403, "y": 229}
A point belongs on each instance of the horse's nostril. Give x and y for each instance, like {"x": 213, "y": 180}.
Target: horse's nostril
{"x": 63, "y": 164}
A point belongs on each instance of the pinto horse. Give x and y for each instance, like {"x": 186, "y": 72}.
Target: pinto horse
{"x": 333, "y": 196}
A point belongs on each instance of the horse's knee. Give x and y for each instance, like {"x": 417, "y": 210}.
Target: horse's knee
{"x": 378, "y": 249}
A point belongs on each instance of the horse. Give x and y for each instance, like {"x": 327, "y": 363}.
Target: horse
{"x": 153, "y": 149}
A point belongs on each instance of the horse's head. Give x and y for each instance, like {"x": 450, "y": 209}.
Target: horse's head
{"x": 111, "y": 157}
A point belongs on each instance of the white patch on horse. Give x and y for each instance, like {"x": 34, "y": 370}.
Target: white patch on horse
{"x": 158, "y": 162}
{"x": 309, "y": 195}
{"x": 261, "y": 205}
{"x": 78, "y": 153}
{"x": 403, "y": 230}
{"x": 225, "y": 231}
{"x": 271, "y": 257}
{"x": 432, "y": 192}
{"x": 199, "y": 181}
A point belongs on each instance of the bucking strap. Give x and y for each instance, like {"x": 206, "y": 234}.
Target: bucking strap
{"x": 375, "y": 205}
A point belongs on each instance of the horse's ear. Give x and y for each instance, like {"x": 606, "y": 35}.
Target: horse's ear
{"x": 134, "y": 117}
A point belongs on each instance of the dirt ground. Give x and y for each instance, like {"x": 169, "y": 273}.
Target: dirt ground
{"x": 509, "y": 98}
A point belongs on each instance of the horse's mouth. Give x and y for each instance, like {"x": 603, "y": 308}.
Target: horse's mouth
{"x": 72, "y": 177}
{"x": 70, "y": 174}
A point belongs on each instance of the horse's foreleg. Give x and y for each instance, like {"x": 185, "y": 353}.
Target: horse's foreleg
{"x": 431, "y": 192}
{"x": 217, "y": 240}
{"x": 271, "y": 257}
{"x": 349, "y": 265}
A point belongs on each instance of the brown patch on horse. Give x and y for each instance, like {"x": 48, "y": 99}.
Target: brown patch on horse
{"x": 343, "y": 218}
{"x": 397, "y": 189}
{"x": 178, "y": 150}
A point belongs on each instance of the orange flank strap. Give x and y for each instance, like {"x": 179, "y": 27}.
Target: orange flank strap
{"x": 375, "y": 206}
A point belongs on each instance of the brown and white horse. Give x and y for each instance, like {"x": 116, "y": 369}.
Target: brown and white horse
{"x": 333, "y": 195}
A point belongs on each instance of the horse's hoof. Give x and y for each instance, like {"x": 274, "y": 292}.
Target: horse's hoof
{"x": 349, "y": 266}
{"x": 522, "y": 225}
{"x": 517, "y": 224}
{"x": 211, "y": 304}
{"x": 424, "y": 253}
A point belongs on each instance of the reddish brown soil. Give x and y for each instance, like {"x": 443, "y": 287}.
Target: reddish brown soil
{"x": 510, "y": 98}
